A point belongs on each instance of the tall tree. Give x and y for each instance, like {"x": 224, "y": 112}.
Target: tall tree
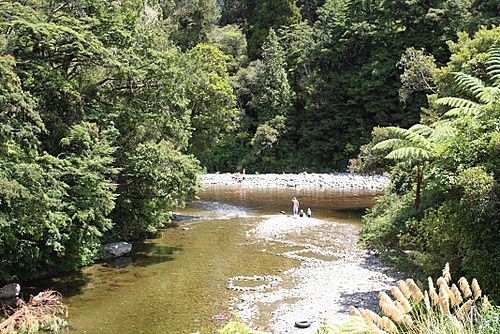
{"x": 231, "y": 12}
{"x": 263, "y": 15}
{"x": 308, "y": 9}
{"x": 158, "y": 177}
{"x": 211, "y": 100}
{"x": 273, "y": 99}
{"x": 23, "y": 185}
{"x": 86, "y": 167}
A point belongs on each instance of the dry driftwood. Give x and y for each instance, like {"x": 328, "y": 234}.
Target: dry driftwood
{"x": 41, "y": 311}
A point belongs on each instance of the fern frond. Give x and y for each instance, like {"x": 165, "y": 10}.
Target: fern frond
{"x": 445, "y": 131}
{"x": 457, "y": 102}
{"x": 494, "y": 71}
{"x": 416, "y": 140}
{"x": 395, "y": 130}
{"x": 469, "y": 84}
{"x": 461, "y": 112}
{"x": 409, "y": 153}
{"x": 390, "y": 144}
{"x": 493, "y": 65}
{"x": 489, "y": 95}
{"x": 421, "y": 129}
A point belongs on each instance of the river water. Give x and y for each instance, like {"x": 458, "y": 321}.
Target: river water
{"x": 177, "y": 282}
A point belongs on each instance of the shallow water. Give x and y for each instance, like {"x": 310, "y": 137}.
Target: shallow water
{"x": 178, "y": 281}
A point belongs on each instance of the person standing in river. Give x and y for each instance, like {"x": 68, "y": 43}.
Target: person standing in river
{"x": 295, "y": 202}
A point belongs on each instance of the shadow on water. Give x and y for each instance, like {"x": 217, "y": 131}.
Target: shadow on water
{"x": 146, "y": 254}
{"x": 77, "y": 282}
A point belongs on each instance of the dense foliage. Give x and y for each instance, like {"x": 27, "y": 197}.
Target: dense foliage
{"x": 109, "y": 109}
{"x": 98, "y": 109}
{"x": 443, "y": 204}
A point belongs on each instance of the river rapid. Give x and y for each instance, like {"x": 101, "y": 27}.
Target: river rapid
{"x": 193, "y": 276}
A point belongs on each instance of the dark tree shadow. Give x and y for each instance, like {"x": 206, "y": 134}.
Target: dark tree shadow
{"x": 370, "y": 299}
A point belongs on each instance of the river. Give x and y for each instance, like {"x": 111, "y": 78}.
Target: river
{"x": 177, "y": 282}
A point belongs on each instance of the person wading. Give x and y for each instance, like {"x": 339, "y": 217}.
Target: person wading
{"x": 295, "y": 202}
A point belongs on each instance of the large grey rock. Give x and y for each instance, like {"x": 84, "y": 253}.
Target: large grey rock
{"x": 118, "y": 248}
{"x": 11, "y": 290}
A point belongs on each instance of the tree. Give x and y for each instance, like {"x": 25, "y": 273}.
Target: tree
{"x": 19, "y": 118}
{"x": 23, "y": 184}
{"x": 261, "y": 16}
{"x": 419, "y": 145}
{"x": 86, "y": 168}
{"x": 155, "y": 178}
{"x": 273, "y": 95}
{"x": 94, "y": 83}
{"x": 211, "y": 100}
{"x": 231, "y": 41}
{"x": 272, "y": 99}
{"x": 308, "y": 9}
{"x": 231, "y": 12}
{"x": 418, "y": 73}
{"x": 192, "y": 22}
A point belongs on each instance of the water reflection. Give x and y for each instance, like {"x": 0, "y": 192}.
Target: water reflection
{"x": 177, "y": 282}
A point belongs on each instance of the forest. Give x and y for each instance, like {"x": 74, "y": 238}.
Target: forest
{"x": 110, "y": 109}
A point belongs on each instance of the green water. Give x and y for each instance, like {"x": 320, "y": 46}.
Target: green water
{"x": 177, "y": 282}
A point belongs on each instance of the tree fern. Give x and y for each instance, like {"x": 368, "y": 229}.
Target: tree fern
{"x": 408, "y": 138}
{"x": 417, "y": 145}
{"x": 477, "y": 89}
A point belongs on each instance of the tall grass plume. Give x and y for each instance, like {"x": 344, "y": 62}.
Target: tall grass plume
{"x": 443, "y": 308}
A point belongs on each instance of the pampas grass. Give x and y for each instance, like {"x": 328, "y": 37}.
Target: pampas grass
{"x": 416, "y": 293}
{"x": 443, "y": 308}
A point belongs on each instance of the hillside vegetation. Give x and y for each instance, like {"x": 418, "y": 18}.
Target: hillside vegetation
{"x": 110, "y": 109}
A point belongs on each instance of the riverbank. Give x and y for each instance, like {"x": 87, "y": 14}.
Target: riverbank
{"x": 334, "y": 273}
{"x": 302, "y": 180}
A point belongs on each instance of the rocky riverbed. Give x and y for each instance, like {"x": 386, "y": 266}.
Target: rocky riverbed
{"x": 302, "y": 180}
{"x": 334, "y": 273}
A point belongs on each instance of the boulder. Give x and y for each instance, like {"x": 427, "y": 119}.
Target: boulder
{"x": 116, "y": 249}
{"x": 9, "y": 291}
